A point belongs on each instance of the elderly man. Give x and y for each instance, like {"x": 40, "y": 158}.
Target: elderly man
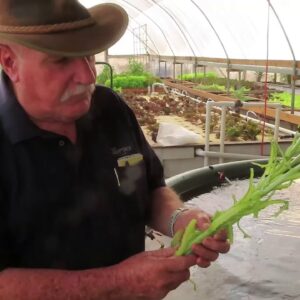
{"x": 78, "y": 181}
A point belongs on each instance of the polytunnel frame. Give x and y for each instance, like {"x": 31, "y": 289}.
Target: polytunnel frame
{"x": 182, "y": 32}
{"x": 132, "y": 31}
{"x": 228, "y": 59}
{"x": 221, "y": 42}
{"x": 158, "y": 26}
{"x": 154, "y": 22}
{"x": 293, "y": 54}
{"x": 185, "y": 37}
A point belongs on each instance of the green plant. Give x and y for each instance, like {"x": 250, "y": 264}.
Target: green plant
{"x": 240, "y": 93}
{"x": 129, "y": 82}
{"x": 250, "y": 130}
{"x": 135, "y": 67}
{"x": 233, "y": 132}
{"x": 285, "y": 98}
{"x": 211, "y": 87}
{"x": 198, "y": 77}
{"x": 280, "y": 171}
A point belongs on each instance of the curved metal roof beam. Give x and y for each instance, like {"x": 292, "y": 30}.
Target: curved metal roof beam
{"x": 223, "y": 46}
{"x": 154, "y": 51}
{"x": 293, "y": 54}
{"x": 283, "y": 30}
{"x": 213, "y": 28}
{"x": 160, "y": 29}
{"x": 177, "y": 24}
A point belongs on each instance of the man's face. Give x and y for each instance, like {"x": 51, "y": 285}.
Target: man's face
{"x": 52, "y": 88}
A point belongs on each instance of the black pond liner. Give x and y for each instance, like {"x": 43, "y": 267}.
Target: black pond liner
{"x": 202, "y": 180}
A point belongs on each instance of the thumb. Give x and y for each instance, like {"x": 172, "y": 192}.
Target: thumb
{"x": 203, "y": 222}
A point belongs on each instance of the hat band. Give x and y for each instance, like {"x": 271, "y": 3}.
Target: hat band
{"x": 47, "y": 28}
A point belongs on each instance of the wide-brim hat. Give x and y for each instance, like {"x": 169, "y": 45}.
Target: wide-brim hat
{"x": 62, "y": 27}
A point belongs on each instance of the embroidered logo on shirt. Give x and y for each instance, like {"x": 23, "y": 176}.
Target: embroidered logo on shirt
{"x": 121, "y": 151}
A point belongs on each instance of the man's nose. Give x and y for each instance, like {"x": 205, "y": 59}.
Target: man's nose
{"x": 85, "y": 71}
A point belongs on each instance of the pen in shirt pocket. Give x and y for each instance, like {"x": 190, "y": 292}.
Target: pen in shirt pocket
{"x": 117, "y": 176}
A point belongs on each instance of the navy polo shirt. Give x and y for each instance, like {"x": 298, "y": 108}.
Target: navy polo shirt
{"x": 74, "y": 206}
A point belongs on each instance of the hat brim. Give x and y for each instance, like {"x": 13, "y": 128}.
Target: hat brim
{"x": 110, "y": 24}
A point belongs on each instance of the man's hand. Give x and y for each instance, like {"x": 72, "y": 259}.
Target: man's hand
{"x": 208, "y": 251}
{"x": 152, "y": 275}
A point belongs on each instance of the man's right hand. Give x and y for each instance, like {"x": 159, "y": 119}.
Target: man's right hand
{"x": 152, "y": 275}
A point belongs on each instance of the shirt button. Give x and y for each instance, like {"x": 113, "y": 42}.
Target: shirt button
{"x": 61, "y": 143}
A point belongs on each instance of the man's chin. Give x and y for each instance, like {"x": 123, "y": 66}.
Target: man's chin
{"x": 74, "y": 115}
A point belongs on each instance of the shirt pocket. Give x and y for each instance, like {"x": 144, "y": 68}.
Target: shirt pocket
{"x": 131, "y": 174}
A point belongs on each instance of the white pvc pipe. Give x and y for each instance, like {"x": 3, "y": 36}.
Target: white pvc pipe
{"x": 223, "y": 105}
{"x": 185, "y": 95}
{"x": 281, "y": 129}
{"x": 205, "y": 154}
{"x": 159, "y": 84}
{"x": 207, "y": 129}
{"x": 259, "y": 104}
{"x": 277, "y": 123}
{"x": 222, "y": 133}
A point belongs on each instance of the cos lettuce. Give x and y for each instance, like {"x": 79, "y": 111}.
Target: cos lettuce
{"x": 282, "y": 168}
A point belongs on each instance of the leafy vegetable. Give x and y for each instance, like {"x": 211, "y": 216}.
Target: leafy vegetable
{"x": 280, "y": 171}
{"x": 285, "y": 98}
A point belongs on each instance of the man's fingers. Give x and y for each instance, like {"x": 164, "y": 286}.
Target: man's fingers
{"x": 216, "y": 245}
{"x": 181, "y": 263}
{"x": 203, "y": 222}
{"x": 203, "y": 263}
{"x": 204, "y": 253}
{"x": 175, "y": 279}
{"x": 221, "y": 235}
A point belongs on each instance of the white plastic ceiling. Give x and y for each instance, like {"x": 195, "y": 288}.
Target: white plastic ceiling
{"x": 192, "y": 28}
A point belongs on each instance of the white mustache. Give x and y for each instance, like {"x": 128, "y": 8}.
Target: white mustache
{"x": 79, "y": 89}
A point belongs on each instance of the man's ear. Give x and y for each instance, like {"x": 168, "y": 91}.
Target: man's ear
{"x": 8, "y": 61}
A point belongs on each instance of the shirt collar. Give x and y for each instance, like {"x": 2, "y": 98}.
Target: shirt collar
{"x": 15, "y": 121}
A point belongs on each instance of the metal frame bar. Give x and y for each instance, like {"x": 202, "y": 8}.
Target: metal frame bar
{"x": 111, "y": 70}
{"x": 294, "y": 73}
{"x": 160, "y": 29}
{"x": 221, "y": 42}
{"x": 177, "y": 24}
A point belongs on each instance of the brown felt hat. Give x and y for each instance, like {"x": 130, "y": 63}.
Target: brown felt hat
{"x": 62, "y": 27}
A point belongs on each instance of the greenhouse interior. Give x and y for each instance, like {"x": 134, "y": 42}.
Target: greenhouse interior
{"x": 209, "y": 81}
{"x": 213, "y": 84}
{"x": 149, "y": 150}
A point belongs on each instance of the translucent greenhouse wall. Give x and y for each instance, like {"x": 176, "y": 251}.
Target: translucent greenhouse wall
{"x": 210, "y": 28}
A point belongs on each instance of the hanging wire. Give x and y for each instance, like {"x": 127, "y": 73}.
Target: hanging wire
{"x": 266, "y": 96}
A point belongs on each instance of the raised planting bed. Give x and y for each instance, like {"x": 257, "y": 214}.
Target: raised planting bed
{"x": 181, "y": 110}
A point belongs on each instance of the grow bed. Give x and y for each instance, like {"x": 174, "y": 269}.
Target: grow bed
{"x": 181, "y": 110}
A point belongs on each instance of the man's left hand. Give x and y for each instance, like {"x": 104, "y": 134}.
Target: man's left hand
{"x": 208, "y": 251}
